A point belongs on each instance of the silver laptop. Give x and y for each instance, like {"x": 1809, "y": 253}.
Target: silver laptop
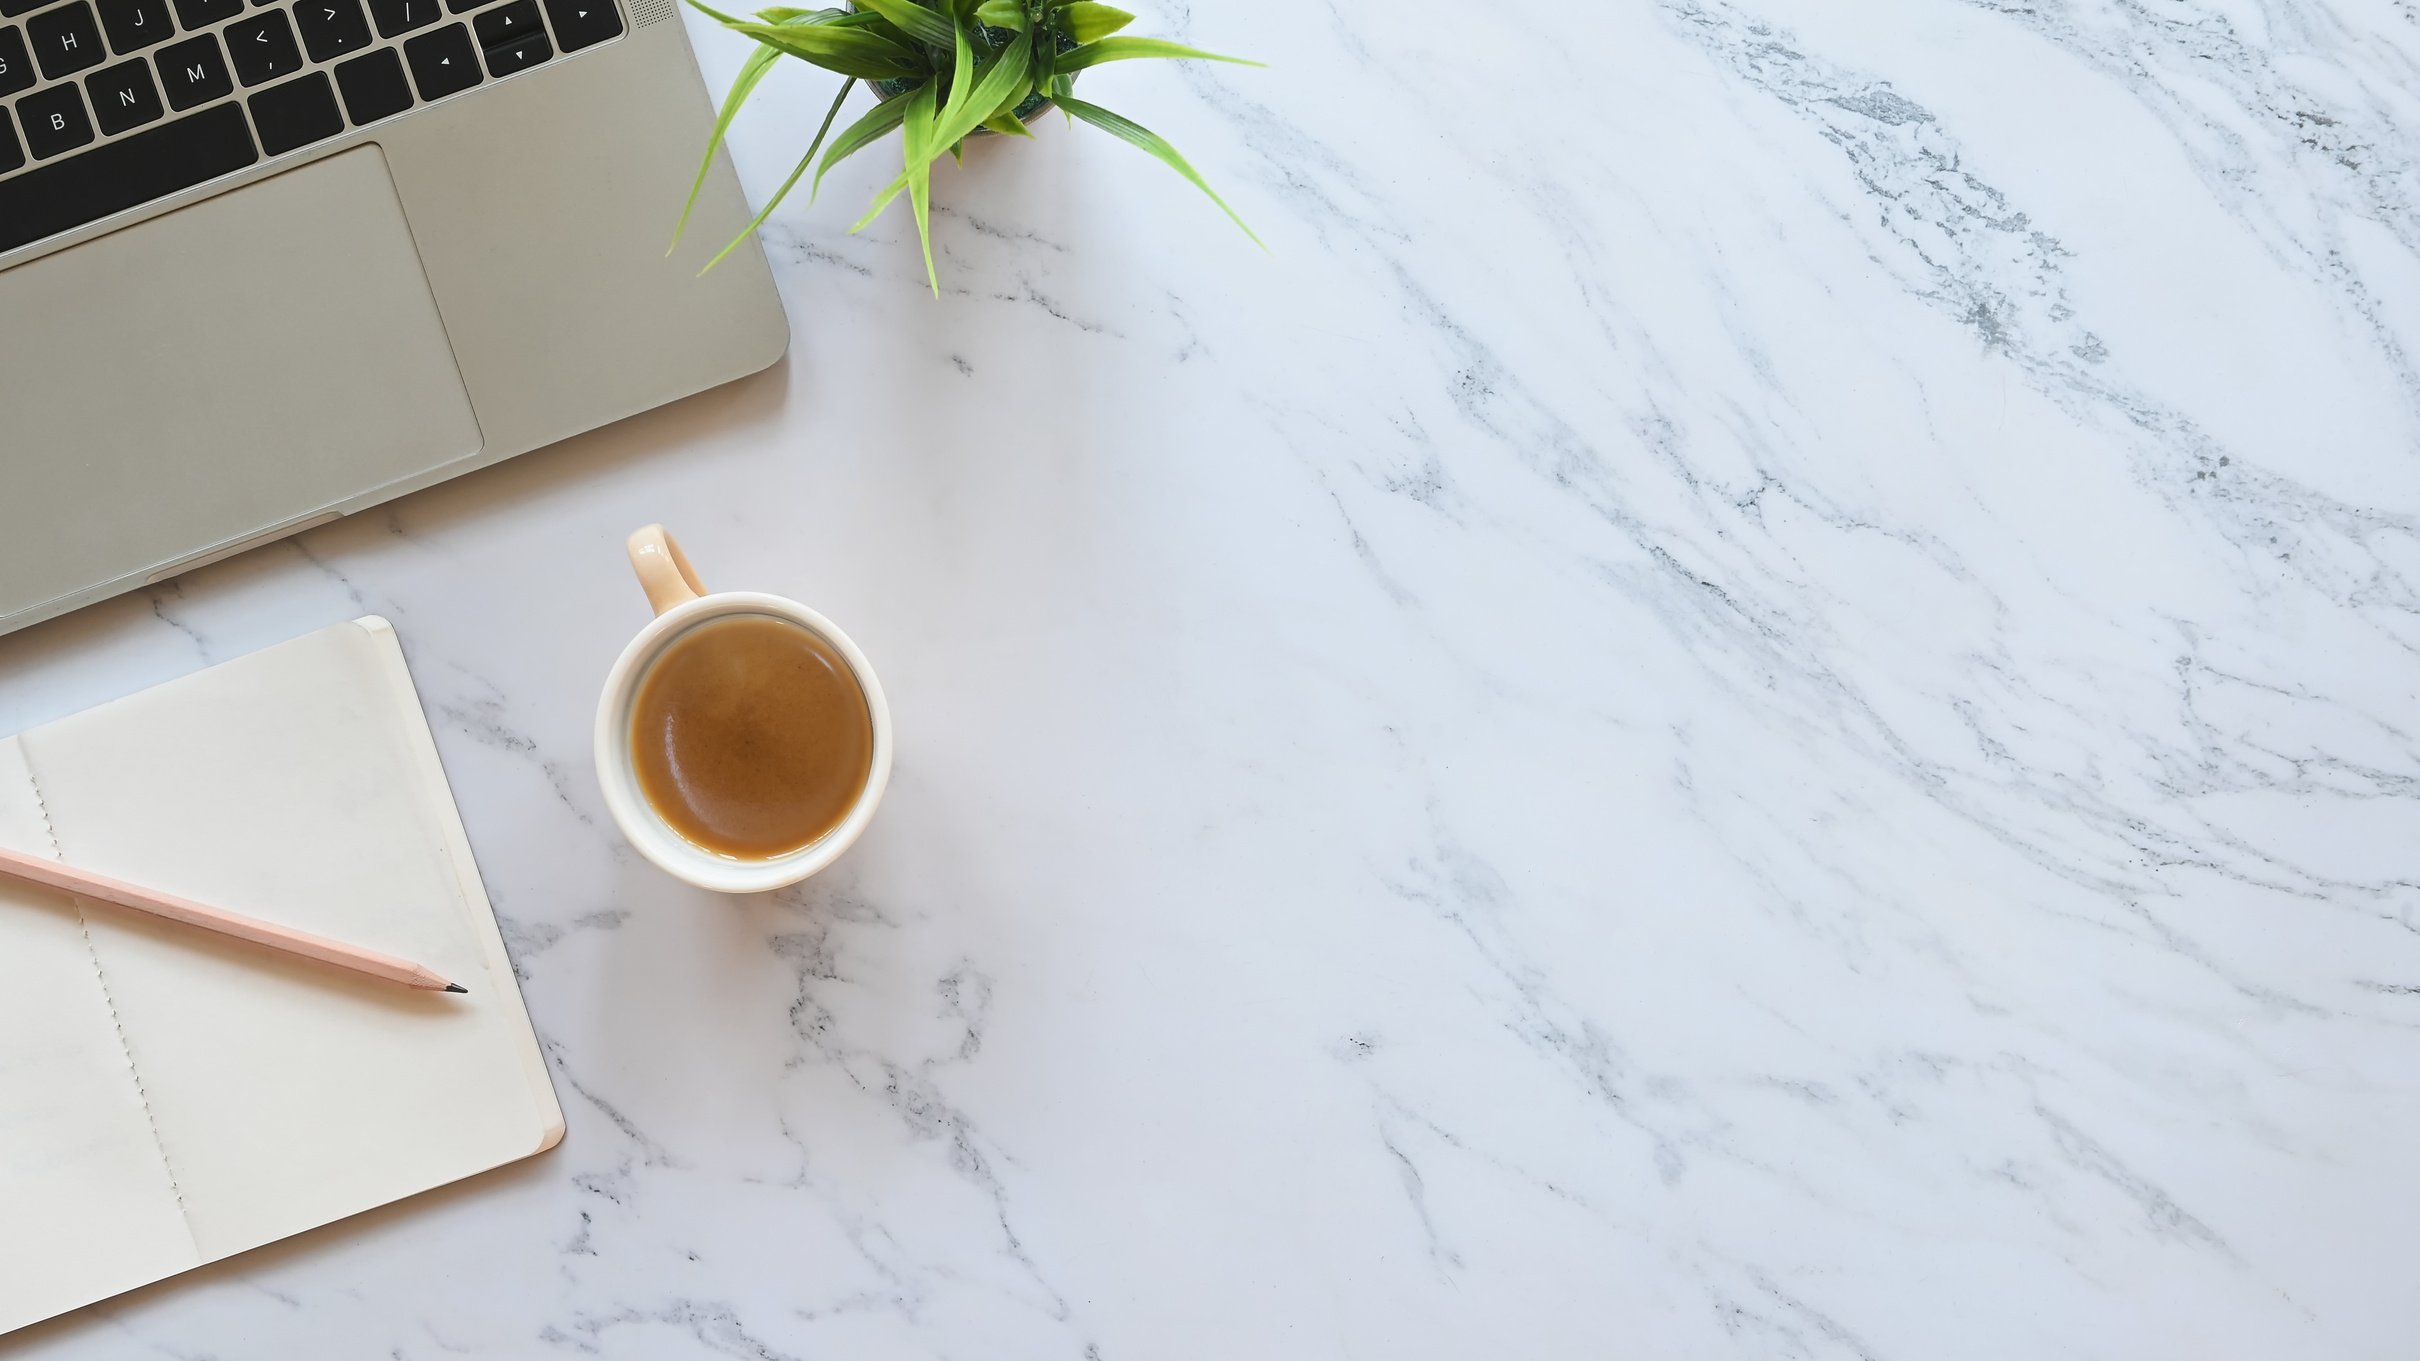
{"x": 266, "y": 262}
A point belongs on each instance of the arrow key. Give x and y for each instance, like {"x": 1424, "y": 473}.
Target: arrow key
{"x": 443, "y": 61}
{"x": 518, "y": 55}
{"x": 583, "y": 23}
{"x": 506, "y": 24}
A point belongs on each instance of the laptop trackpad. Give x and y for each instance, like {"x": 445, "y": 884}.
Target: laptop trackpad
{"x": 184, "y": 384}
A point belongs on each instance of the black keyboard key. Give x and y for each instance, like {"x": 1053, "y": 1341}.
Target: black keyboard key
{"x": 66, "y": 39}
{"x": 373, "y": 86}
{"x": 443, "y": 62}
{"x": 11, "y": 154}
{"x": 262, "y": 48}
{"x": 460, "y": 6}
{"x": 583, "y": 23}
{"x": 136, "y": 24}
{"x": 54, "y": 122}
{"x": 518, "y": 55}
{"x": 402, "y": 16}
{"x": 123, "y": 96}
{"x": 195, "y": 14}
{"x": 500, "y": 26}
{"x": 193, "y": 72}
{"x": 154, "y": 163}
{"x": 16, "y": 63}
{"x": 10, "y": 9}
{"x": 296, "y": 113}
{"x": 331, "y": 28}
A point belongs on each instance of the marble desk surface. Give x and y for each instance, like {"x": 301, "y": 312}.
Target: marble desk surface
{"x": 1757, "y": 697}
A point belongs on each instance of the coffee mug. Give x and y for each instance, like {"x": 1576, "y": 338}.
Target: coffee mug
{"x": 681, "y": 604}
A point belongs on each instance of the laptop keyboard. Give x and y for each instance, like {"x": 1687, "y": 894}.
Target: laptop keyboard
{"x": 106, "y": 105}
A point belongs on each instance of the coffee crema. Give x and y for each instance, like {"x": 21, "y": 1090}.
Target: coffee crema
{"x": 751, "y": 737}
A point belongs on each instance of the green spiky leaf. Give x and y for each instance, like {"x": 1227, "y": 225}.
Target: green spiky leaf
{"x": 786, "y": 185}
{"x": 881, "y": 201}
{"x": 921, "y": 148}
{"x": 751, "y": 71}
{"x": 1088, "y": 22}
{"x": 1127, "y": 49}
{"x": 962, "y": 66}
{"x": 915, "y": 20}
{"x": 849, "y": 51}
{"x": 1135, "y": 134}
{"x": 1001, "y": 80}
{"x": 1007, "y": 107}
{"x": 858, "y": 135}
{"x": 1001, "y": 14}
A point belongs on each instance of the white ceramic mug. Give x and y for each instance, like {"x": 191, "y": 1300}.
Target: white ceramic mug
{"x": 681, "y": 603}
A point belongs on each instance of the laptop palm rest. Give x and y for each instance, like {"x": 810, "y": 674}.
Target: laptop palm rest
{"x": 237, "y": 366}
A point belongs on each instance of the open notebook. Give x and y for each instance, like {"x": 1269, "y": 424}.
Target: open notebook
{"x": 169, "y": 1097}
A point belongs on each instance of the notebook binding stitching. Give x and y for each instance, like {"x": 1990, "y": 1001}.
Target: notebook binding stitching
{"x": 83, "y": 923}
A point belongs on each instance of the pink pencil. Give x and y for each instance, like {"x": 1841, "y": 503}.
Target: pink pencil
{"x": 86, "y": 884}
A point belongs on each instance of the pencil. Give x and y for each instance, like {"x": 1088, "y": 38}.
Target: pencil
{"x": 85, "y": 884}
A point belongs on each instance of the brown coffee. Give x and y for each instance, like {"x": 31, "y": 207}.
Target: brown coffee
{"x": 751, "y": 737}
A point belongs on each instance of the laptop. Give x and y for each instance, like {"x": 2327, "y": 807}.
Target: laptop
{"x": 267, "y": 262}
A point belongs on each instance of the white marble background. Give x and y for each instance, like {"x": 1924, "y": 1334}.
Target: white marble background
{"x": 1756, "y": 698}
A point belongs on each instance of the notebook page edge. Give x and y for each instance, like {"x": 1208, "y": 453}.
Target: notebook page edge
{"x": 439, "y": 793}
{"x": 67, "y": 1281}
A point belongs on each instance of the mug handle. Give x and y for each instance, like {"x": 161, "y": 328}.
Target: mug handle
{"x": 664, "y": 570}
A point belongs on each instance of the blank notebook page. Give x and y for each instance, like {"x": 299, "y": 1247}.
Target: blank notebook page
{"x": 169, "y": 1097}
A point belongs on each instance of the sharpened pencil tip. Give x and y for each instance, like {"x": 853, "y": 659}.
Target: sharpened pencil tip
{"x": 456, "y": 987}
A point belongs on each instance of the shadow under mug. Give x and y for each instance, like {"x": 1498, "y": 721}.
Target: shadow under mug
{"x": 682, "y": 603}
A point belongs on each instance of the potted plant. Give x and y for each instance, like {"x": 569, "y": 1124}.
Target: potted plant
{"x": 944, "y": 71}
